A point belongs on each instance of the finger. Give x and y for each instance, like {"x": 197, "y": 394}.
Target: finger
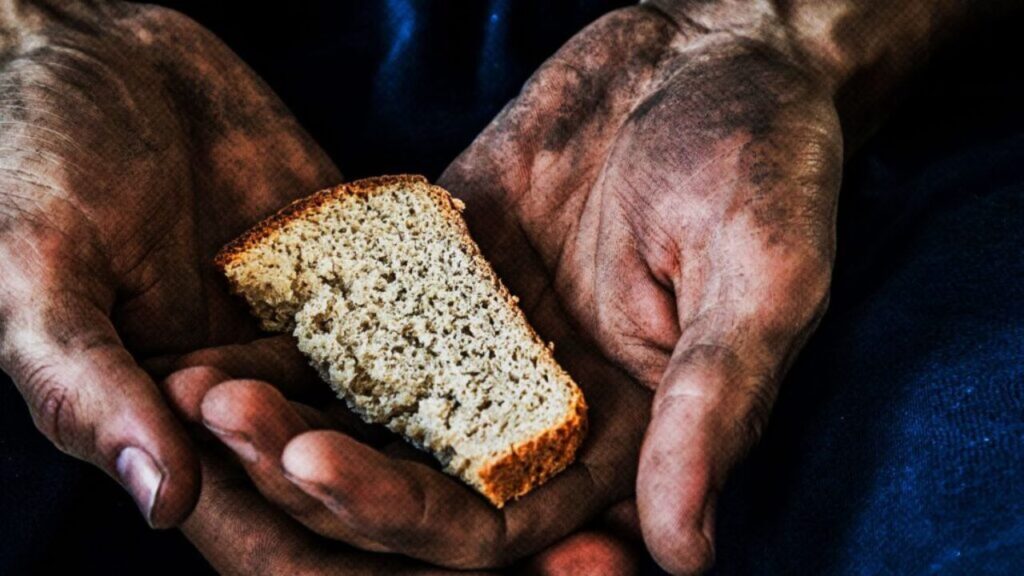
{"x": 588, "y": 552}
{"x": 88, "y": 396}
{"x": 399, "y": 505}
{"x": 239, "y": 532}
{"x": 416, "y": 510}
{"x": 255, "y": 421}
{"x": 413, "y": 509}
{"x": 707, "y": 412}
{"x": 717, "y": 393}
{"x": 204, "y": 369}
{"x": 185, "y": 390}
{"x": 275, "y": 359}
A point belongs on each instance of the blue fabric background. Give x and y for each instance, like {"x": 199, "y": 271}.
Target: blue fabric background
{"x": 897, "y": 446}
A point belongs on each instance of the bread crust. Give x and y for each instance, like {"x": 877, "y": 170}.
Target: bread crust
{"x": 533, "y": 462}
{"x": 527, "y": 464}
{"x": 296, "y": 210}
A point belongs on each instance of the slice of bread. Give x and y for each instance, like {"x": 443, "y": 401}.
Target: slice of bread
{"x": 393, "y": 303}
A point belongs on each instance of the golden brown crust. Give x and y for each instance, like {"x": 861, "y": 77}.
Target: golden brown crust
{"x": 300, "y": 208}
{"x": 530, "y": 463}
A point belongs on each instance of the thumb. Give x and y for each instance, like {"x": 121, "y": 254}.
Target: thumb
{"x": 90, "y": 398}
{"x": 708, "y": 410}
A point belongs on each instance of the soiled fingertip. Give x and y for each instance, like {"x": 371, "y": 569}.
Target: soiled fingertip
{"x": 236, "y": 404}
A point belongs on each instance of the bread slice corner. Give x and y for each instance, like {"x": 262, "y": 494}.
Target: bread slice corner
{"x": 392, "y": 301}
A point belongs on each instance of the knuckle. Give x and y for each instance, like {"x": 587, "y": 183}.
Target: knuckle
{"x": 705, "y": 374}
{"x": 719, "y": 358}
{"x": 742, "y": 390}
{"x": 53, "y": 407}
{"x": 757, "y": 408}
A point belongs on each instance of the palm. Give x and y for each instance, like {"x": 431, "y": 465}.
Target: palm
{"x": 654, "y": 187}
{"x": 196, "y": 148}
{"x": 674, "y": 191}
{"x": 136, "y": 144}
{"x": 627, "y": 204}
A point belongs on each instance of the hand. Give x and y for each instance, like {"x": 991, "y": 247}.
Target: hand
{"x": 239, "y": 531}
{"x": 357, "y": 484}
{"x": 134, "y": 145}
{"x": 674, "y": 188}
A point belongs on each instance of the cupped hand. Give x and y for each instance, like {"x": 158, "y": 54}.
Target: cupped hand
{"x": 370, "y": 499}
{"x": 134, "y": 144}
{"x": 661, "y": 198}
{"x": 239, "y": 532}
{"x": 674, "y": 188}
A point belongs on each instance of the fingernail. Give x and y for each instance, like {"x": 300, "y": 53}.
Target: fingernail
{"x": 141, "y": 476}
{"x": 239, "y": 443}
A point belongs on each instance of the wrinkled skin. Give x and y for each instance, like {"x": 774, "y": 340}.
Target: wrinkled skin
{"x": 134, "y": 145}
{"x": 363, "y": 486}
{"x": 240, "y": 532}
{"x": 675, "y": 190}
{"x": 243, "y": 533}
{"x": 660, "y": 194}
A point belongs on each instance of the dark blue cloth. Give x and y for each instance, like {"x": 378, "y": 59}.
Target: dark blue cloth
{"x": 897, "y": 445}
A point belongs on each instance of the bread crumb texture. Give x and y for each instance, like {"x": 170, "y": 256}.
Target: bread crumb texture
{"x": 391, "y": 300}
